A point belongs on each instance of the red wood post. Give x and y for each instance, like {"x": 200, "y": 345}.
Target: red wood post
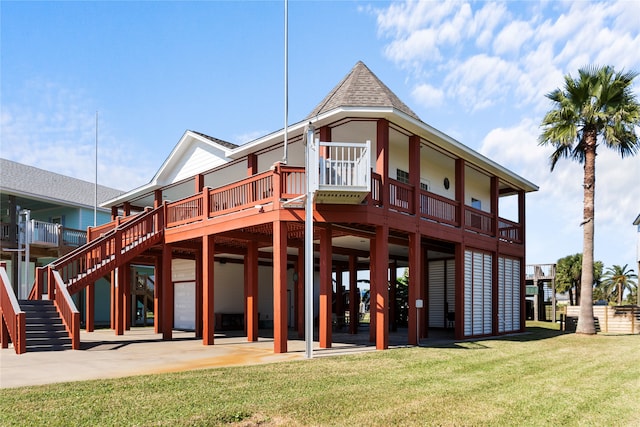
{"x": 208, "y": 251}
{"x": 372, "y": 289}
{"x": 167, "y": 294}
{"x": 200, "y": 284}
{"x": 252, "y": 164}
{"x": 279, "y": 287}
{"x": 495, "y": 194}
{"x": 354, "y": 295}
{"x": 126, "y": 293}
{"x": 112, "y": 292}
{"x": 423, "y": 293}
{"x": 460, "y": 191}
{"x": 393, "y": 287}
{"x": 157, "y": 295}
{"x": 382, "y": 291}
{"x": 459, "y": 280}
{"x": 90, "y": 304}
{"x": 415, "y": 272}
{"x": 414, "y": 172}
{"x": 523, "y": 287}
{"x": 300, "y": 293}
{"x": 339, "y": 298}
{"x": 326, "y": 289}
{"x": 382, "y": 159}
{"x": 120, "y": 316}
{"x": 251, "y": 268}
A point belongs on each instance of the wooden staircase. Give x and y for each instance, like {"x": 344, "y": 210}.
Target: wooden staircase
{"x": 44, "y": 328}
{"x": 85, "y": 265}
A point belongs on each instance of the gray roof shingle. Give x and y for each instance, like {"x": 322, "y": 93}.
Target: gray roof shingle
{"x": 19, "y": 179}
{"x": 361, "y": 88}
{"x": 216, "y": 140}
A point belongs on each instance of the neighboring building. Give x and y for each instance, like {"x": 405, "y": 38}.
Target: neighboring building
{"x": 223, "y": 227}
{"x": 56, "y": 209}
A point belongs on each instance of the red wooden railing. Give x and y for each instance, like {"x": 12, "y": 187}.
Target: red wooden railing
{"x": 67, "y": 309}
{"x": 477, "y": 220}
{"x": 241, "y": 195}
{"x": 509, "y": 231}
{"x": 438, "y": 208}
{"x": 89, "y": 262}
{"x": 376, "y": 189}
{"x": 401, "y": 196}
{"x": 12, "y": 319}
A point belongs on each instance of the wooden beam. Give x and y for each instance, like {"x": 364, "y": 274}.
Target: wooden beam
{"x": 382, "y": 290}
{"x": 208, "y": 316}
{"x": 167, "y": 294}
{"x": 90, "y": 304}
{"x": 300, "y": 292}
{"x": 157, "y": 295}
{"x": 415, "y": 273}
{"x": 251, "y": 296}
{"x": 326, "y": 289}
{"x": 280, "y": 287}
{"x": 354, "y": 295}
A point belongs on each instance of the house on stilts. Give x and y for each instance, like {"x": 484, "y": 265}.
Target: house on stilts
{"x": 223, "y": 226}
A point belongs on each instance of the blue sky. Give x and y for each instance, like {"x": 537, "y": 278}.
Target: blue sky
{"x": 477, "y": 71}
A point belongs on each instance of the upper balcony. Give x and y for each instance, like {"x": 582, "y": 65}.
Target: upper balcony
{"x": 47, "y": 235}
{"x": 277, "y": 188}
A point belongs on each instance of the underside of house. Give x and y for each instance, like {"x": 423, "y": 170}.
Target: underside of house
{"x": 223, "y": 226}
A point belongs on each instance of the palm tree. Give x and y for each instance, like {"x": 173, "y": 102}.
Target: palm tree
{"x": 618, "y": 279}
{"x": 569, "y": 276}
{"x": 599, "y": 103}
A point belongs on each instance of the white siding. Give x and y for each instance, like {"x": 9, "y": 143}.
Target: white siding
{"x": 436, "y": 294}
{"x": 477, "y": 293}
{"x": 508, "y": 294}
{"x": 198, "y": 158}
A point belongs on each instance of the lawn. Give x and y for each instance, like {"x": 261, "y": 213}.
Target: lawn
{"x": 543, "y": 377}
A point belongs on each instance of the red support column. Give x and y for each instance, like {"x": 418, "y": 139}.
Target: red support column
{"x": 523, "y": 288}
{"x": 167, "y": 294}
{"x": 200, "y": 284}
{"x": 415, "y": 274}
{"x": 112, "y": 295}
{"x": 300, "y": 293}
{"x": 126, "y": 294}
{"x": 90, "y": 304}
{"x": 157, "y": 295}
{"x": 326, "y": 289}
{"x": 382, "y": 291}
{"x": 414, "y": 172}
{"x": 495, "y": 194}
{"x": 252, "y": 164}
{"x": 280, "y": 287}
{"x": 459, "y": 280}
{"x": 339, "y": 299}
{"x": 120, "y": 314}
{"x": 393, "y": 283}
{"x": 354, "y": 295}
{"x": 198, "y": 182}
{"x": 207, "y": 313}
{"x": 423, "y": 315}
{"x": 382, "y": 158}
{"x": 460, "y": 191}
{"x": 372, "y": 289}
{"x": 251, "y": 287}
{"x": 157, "y": 198}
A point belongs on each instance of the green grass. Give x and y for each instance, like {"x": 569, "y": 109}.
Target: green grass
{"x": 544, "y": 377}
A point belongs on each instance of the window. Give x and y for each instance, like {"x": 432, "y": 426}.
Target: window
{"x": 475, "y": 203}
{"x": 402, "y": 176}
{"x": 425, "y": 185}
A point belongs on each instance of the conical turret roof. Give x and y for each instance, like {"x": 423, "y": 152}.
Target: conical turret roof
{"x": 361, "y": 88}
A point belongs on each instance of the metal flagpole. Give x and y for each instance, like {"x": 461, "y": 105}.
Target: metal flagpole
{"x": 285, "y": 159}
{"x": 308, "y": 243}
{"x": 95, "y": 199}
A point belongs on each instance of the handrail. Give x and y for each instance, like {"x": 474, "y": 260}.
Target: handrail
{"x": 438, "y": 208}
{"x": 477, "y": 220}
{"x": 509, "y": 231}
{"x": 67, "y": 309}
{"x": 12, "y": 319}
{"x": 401, "y": 196}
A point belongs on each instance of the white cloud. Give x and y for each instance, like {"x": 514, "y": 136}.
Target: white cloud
{"x": 60, "y": 136}
{"x": 427, "y": 95}
{"x": 512, "y": 37}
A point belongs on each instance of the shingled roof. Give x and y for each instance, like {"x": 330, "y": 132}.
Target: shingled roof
{"x": 216, "y": 140}
{"x": 28, "y": 181}
{"x": 361, "y": 88}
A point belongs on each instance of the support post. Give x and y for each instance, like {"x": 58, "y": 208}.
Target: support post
{"x": 167, "y": 294}
{"x": 90, "y": 304}
{"x": 326, "y": 289}
{"x": 279, "y": 287}
{"x": 354, "y": 295}
{"x": 415, "y": 272}
{"x": 251, "y": 269}
{"x": 300, "y": 297}
{"x": 208, "y": 316}
{"x": 382, "y": 290}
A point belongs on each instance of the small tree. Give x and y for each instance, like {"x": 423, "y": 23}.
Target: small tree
{"x": 617, "y": 280}
{"x": 569, "y": 276}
